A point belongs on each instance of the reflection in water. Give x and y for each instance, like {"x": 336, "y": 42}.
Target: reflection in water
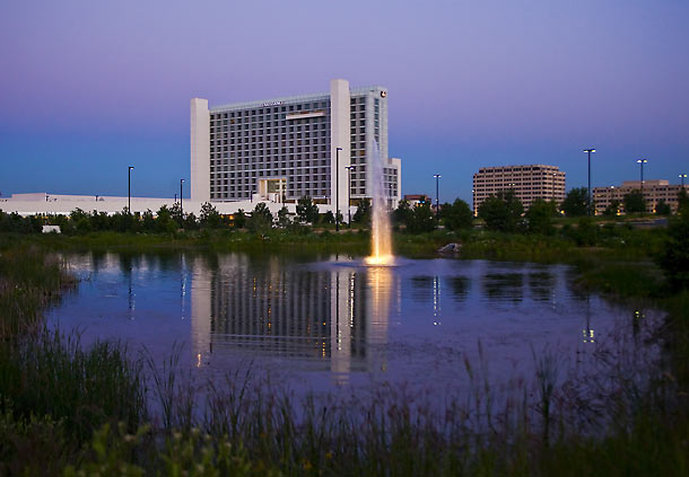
{"x": 504, "y": 286}
{"x": 380, "y": 291}
{"x": 588, "y": 332}
{"x": 436, "y": 301}
{"x": 332, "y": 319}
{"x": 334, "y": 315}
{"x": 459, "y": 287}
{"x": 541, "y": 285}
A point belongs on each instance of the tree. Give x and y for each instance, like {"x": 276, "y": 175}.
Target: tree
{"x": 177, "y": 214}
{"x": 190, "y": 222}
{"x": 683, "y": 202}
{"x": 612, "y": 209}
{"x": 148, "y": 223}
{"x": 634, "y": 202}
{"x": 422, "y": 219}
{"x": 261, "y": 219}
{"x": 502, "y": 212}
{"x": 402, "y": 214}
{"x": 576, "y": 202}
{"x": 457, "y": 216}
{"x": 81, "y": 221}
{"x": 239, "y": 219}
{"x": 164, "y": 220}
{"x": 283, "y": 218}
{"x": 663, "y": 208}
{"x": 307, "y": 211}
{"x": 209, "y": 216}
{"x": 540, "y": 217}
{"x": 363, "y": 212}
{"x": 674, "y": 259}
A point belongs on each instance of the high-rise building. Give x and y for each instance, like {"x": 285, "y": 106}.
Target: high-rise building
{"x": 529, "y": 182}
{"x": 653, "y": 192}
{"x": 318, "y": 145}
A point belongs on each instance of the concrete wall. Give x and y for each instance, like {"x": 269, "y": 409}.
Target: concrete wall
{"x": 31, "y": 204}
{"x": 200, "y": 151}
{"x": 339, "y": 137}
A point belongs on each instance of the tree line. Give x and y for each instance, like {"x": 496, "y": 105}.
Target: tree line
{"x": 502, "y": 212}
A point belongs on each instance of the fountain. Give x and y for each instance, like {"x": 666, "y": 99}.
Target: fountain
{"x": 381, "y": 238}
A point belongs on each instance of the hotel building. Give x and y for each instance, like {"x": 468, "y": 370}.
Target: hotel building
{"x": 279, "y": 150}
{"x": 530, "y": 182}
{"x": 654, "y": 191}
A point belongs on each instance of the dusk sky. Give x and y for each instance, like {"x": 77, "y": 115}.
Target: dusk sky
{"x": 90, "y": 87}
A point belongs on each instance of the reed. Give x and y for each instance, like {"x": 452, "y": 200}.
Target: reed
{"x": 56, "y": 395}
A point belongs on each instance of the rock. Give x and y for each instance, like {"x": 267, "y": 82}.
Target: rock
{"x": 452, "y": 248}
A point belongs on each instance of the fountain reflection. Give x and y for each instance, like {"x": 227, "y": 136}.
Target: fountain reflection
{"x": 333, "y": 317}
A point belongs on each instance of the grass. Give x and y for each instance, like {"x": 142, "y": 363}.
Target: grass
{"x": 74, "y": 411}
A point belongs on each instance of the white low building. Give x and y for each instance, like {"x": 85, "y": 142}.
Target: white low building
{"x": 56, "y": 204}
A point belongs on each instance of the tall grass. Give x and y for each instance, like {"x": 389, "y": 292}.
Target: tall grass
{"x": 53, "y": 392}
{"x": 29, "y": 281}
{"x": 66, "y": 409}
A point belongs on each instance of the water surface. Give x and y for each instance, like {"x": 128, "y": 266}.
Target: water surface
{"x": 331, "y": 323}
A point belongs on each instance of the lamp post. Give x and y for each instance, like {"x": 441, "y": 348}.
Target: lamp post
{"x": 437, "y": 195}
{"x": 682, "y": 177}
{"x": 588, "y": 189}
{"x": 337, "y": 188}
{"x": 349, "y": 192}
{"x": 181, "y": 209}
{"x": 641, "y": 163}
{"x": 129, "y": 189}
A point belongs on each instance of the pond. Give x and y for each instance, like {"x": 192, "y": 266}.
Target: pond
{"x": 436, "y": 327}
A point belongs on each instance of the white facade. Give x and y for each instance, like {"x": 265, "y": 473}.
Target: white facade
{"x": 283, "y": 149}
{"x": 55, "y": 204}
{"x": 275, "y": 151}
{"x": 200, "y": 147}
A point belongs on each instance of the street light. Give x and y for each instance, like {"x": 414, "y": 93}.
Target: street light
{"x": 129, "y": 189}
{"x": 589, "y": 151}
{"x": 337, "y": 188}
{"x": 437, "y": 196}
{"x": 641, "y": 163}
{"x": 349, "y": 191}
{"x": 181, "y": 208}
{"x": 682, "y": 177}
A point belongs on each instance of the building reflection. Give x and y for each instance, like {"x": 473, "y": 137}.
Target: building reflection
{"x": 333, "y": 315}
{"x": 504, "y": 287}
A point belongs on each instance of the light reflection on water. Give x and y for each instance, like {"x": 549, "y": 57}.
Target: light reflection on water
{"x": 338, "y": 322}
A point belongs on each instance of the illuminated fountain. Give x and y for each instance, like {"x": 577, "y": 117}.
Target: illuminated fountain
{"x": 381, "y": 237}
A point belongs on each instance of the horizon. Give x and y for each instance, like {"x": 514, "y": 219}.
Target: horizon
{"x": 90, "y": 89}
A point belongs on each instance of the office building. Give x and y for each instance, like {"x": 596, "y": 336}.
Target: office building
{"x": 529, "y": 182}
{"x": 653, "y": 191}
{"x": 279, "y": 150}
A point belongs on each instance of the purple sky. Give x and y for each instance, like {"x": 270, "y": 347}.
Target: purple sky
{"x": 87, "y": 88}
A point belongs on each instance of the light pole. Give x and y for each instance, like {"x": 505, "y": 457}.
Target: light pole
{"x": 437, "y": 195}
{"x": 337, "y": 188}
{"x": 129, "y": 189}
{"x": 641, "y": 163}
{"x": 349, "y": 192}
{"x": 181, "y": 209}
{"x": 589, "y": 151}
{"x": 682, "y": 177}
